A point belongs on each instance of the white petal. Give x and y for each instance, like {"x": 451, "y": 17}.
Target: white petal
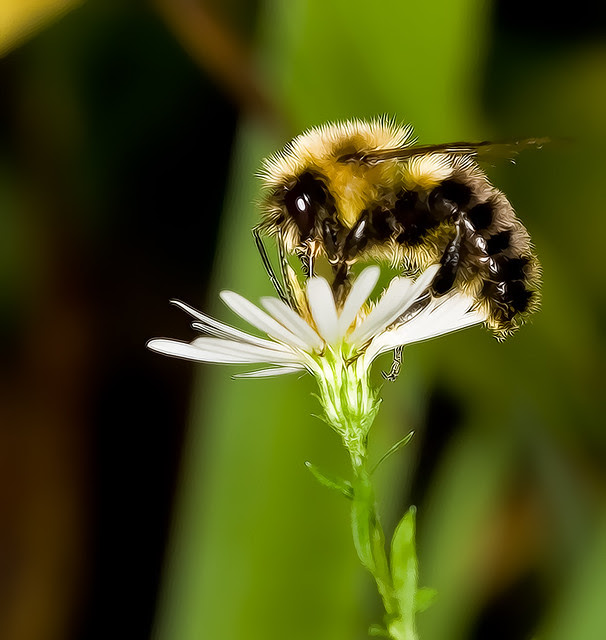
{"x": 388, "y": 307}
{"x": 242, "y": 336}
{"x": 360, "y": 290}
{"x": 409, "y": 335}
{"x": 222, "y": 351}
{"x": 247, "y": 352}
{"x": 183, "y": 350}
{"x": 258, "y": 318}
{"x": 222, "y": 330}
{"x": 441, "y": 316}
{"x": 448, "y": 315}
{"x": 322, "y": 305}
{"x": 269, "y": 373}
{"x": 400, "y": 294}
{"x": 188, "y": 351}
{"x": 381, "y": 343}
{"x": 293, "y": 321}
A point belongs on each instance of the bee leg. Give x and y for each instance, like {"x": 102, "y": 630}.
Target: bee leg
{"x": 450, "y": 261}
{"x": 268, "y": 267}
{"x": 310, "y": 265}
{"x": 357, "y": 238}
{"x": 340, "y": 284}
{"x": 307, "y": 262}
{"x": 396, "y": 365}
{"x": 340, "y": 255}
{"x": 414, "y": 308}
{"x": 291, "y": 299}
{"x": 330, "y": 236}
{"x": 410, "y": 313}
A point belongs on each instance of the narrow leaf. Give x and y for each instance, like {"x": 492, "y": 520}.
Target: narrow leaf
{"x": 342, "y": 486}
{"x": 377, "y": 631}
{"x": 381, "y": 569}
{"x": 424, "y": 598}
{"x": 404, "y": 571}
{"x": 396, "y": 447}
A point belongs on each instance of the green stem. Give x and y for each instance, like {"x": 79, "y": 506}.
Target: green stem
{"x": 398, "y": 590}
{"x": 369, "y": 538}
{"x": 350, "y": 406}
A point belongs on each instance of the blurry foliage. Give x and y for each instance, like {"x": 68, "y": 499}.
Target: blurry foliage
{"x": 117, "y": 138}
{"x": 21, "y": 19}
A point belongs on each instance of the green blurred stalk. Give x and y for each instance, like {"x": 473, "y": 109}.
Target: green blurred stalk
{"x": 258, "y": 550}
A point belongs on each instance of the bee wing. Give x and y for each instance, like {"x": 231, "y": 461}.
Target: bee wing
{"x": 480, "y": 150}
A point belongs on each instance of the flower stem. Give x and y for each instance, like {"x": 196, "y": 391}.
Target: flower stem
{"x": 350, "y": 405}
{"x": 369, "y": 539}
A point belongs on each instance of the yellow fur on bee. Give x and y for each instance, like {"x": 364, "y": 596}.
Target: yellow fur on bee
{"x": 427, "y": 171}
{"x": 350, "y": 183}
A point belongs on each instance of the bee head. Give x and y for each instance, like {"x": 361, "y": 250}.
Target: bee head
{"x": 307, "y": 208}
{"x": 317, "y": 188}
{"x": 307, "y": 201}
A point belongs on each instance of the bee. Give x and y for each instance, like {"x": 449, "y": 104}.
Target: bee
{"x": 364, "y": 191}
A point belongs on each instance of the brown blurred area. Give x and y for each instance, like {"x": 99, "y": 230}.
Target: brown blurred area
{"x": 90, "y": 423}
{"x": 45, "y": 453}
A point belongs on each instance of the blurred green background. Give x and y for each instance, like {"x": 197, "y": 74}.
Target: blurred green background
{"x": 143, "y": 497}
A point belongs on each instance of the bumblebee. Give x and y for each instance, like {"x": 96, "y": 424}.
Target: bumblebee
{"x": 364, "y": 191}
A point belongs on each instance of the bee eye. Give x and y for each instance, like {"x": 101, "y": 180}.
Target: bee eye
{"x": 303, "y": 202}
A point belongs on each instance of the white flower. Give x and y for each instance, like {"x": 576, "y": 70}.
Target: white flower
{"x": 355, "y": 333}
{"x": 336, "y": 345}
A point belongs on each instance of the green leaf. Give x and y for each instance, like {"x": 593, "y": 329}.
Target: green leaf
{"x": 362, "y": 522}
{"x": 396, "y": 447}
{"x": 342, "y": 486}
{"x": 377, "y": 631}
{"x": 404, "y": 571}
{"x": 404, "y": 568}
{"x": 424, "y": 598}
{"x": 405, "y": 575}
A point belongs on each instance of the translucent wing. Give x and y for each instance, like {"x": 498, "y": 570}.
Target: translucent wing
{"x": 480, "y": 150}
